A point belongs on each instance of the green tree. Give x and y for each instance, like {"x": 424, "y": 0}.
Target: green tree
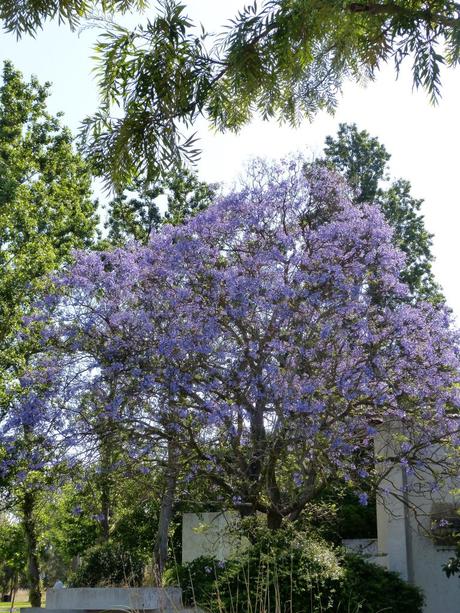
{"x": 283, "y": 59}
{"x": 280, "y": 58}
{"x": 363, "y": 161}
{"x": 12, "y": 556}
{"x": 136, "y": 213}
{"x": 46, "y": 210}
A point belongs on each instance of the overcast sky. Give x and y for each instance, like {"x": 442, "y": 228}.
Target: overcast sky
{"x": 423, "y": 140}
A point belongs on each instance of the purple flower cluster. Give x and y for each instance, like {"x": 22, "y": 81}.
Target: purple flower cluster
{"x": 272, "y": 328}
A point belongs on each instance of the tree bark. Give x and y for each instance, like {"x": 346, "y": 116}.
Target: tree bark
{"x": 160, "y": 552}
{"x": 274, "y": 519}
{"x": 106, "y": 445}
{"x": 33, "y": 565}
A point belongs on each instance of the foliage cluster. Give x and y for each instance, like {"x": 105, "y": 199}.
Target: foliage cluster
{"x": 363, "y": 161}
{"x": 109, "y": 564}
{"x": 294, "y": 571}
{"x": 12, "y": 557}
{"x": 277, "y": 59}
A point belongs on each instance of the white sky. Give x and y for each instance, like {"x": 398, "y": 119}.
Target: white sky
{"x": 423, "y": 140}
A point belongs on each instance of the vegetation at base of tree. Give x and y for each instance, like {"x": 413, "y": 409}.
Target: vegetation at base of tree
{"x": 297, "y": 570}
{"x": 377, "y": 588}
{"x": 109, "y": 564}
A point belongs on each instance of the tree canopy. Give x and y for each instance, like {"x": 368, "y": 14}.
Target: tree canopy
{"x": 251, "y": 338}
{"x": 363, "y": 161}
{"x": 280, "y": 58}
{"x": 46, "y": 209}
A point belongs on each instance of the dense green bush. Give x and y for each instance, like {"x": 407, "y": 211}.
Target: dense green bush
{"x": 278, "y": 568}
{"x": 377, "y": 589}
{"x": 294, "y": 572}
{"x": 109, "y": 564}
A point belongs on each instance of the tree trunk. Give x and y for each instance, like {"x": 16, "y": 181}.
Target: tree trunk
{"x": 105, "y": 507}
{"x": 274, "y": 519}
{"x": 160, "y": 552}
{"x": 33, "y": 566}
{"x": 106, "y": 444}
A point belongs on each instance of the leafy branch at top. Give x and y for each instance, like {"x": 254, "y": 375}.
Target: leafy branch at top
{"x": 284, "y": 59}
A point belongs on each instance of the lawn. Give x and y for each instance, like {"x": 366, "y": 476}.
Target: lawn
{"x": 19, "y": 604}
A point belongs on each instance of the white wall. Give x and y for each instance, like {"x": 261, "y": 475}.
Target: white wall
{"x": 207, "y": 534}
{"x": 404, "y": 537}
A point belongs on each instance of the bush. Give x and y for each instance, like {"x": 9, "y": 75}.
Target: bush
{"x": 377, "y": 589}
{"x": 294, "y": 572}
{"x": 109, "y": 564}
{"x": 278, "y": 568}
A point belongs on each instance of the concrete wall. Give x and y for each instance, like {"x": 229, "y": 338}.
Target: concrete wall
{"x": 405, "y": 541}
{"x": 109, "y": 598}
{"x": 208, "y": 534}
{"x": 368, "y": 548}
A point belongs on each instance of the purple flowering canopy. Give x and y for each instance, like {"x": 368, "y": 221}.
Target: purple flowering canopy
{"x": 269, "y": 337}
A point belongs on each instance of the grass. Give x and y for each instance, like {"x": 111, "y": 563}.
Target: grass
{"x": 18, "y": 604}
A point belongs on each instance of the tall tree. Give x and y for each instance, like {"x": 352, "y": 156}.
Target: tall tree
{"x": 180, "y": 194}
{"x": 363, "y": 161}
{"x": 46, "y": 211}
{"x": 12, "y": 556}
{"x": 252, "y": 335}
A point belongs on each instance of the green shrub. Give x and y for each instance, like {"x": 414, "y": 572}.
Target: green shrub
{"x": 377, "y": 589}
{"x": 278, "y": 568}
{"x": 293, "y": 572}
{"x": 109, "y": 564}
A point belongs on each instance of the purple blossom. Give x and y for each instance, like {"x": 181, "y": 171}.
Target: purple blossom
{"x": 272, "y": 326}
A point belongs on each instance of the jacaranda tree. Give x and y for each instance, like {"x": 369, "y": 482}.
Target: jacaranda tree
{"x": 251, "y": 337}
